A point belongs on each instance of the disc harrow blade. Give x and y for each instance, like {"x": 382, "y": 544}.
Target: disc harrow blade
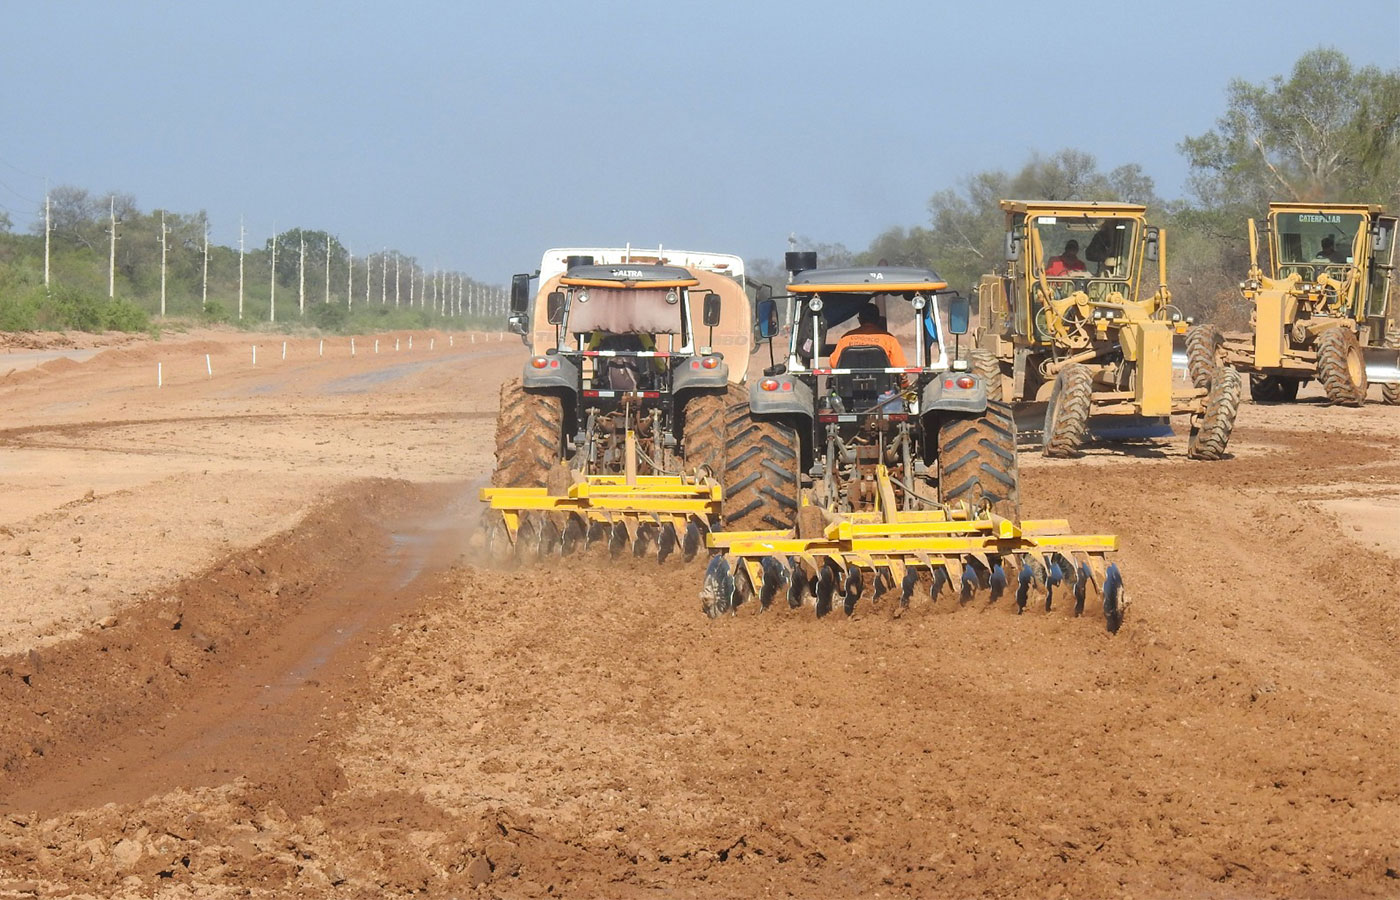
{"x": 717, "y": 591}
{"x": 692, "y": 542}
{"x": 826, "y": 588}
{"x": 573, "y": 535}
{"x": 666, "y": 542}
{"x": 617, "y": 538}
{"x": 775, "y": 576}
{"x": 800, "y": 587}
{"x": 1114, "y": 599}
{"x": 855, "y": 582}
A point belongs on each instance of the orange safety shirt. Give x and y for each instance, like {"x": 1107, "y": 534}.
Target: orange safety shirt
{"x": 870, "y": 336}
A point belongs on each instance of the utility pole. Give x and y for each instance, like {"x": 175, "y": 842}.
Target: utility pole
{"x": 397, "y": 282}
{"x": 204, "y": 296}
{"x": 368, "y": 260}
{"x": 163, "y": 243}
{"x": 240, "y": 268}
{"x": 48, "y": 229}
{"x": 384, "y": 277}
{"x": 272, "y": 294}
{"x": 349, "y": 278}
{"x": 328, "y": 267}
{"x": 301, "y": 277}
{"x": 112, "y": 252}
{"x": 411, "y": 267}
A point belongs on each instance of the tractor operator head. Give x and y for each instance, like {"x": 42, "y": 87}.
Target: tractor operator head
{"x": 869, "y": 314}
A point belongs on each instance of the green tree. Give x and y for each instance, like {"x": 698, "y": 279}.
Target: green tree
{"x": 1329, "y": 132}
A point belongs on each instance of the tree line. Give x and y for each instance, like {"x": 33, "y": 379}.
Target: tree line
{"x": 1327, "y": 132}
{"x": 67, "y": 273}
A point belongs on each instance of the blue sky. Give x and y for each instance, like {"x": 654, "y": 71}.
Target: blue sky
{"x": 475, "y": 135}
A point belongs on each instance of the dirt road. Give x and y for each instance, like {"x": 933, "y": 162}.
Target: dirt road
{"x": 250, "y": 650}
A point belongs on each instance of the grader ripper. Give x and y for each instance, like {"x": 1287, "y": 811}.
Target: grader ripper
{"x": 1323, "y": 312}
{"x": 1082, "y": 334}
{"x": 614, "y": 433}
{"x": 884, "y": 476}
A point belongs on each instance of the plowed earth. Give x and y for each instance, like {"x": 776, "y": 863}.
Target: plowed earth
{"x": 250, "y": 650}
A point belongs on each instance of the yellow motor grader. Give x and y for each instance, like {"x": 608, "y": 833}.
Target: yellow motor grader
{"x": 1068, "y": 322}
{"x": 615, "y": 430}
{"x": 883, "y": 462}
{"x": 1324, "y": 311}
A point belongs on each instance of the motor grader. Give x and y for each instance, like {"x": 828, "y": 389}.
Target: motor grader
{"x": 1083, "y": 335}
{"x": 1323, "y": 312}
{"x": 882, "y": 461}
{"x": 615, "y": 430}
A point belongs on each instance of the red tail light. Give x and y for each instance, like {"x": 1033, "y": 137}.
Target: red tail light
{"x": 966, "y": 381}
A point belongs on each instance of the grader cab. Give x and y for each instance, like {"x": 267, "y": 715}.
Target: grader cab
{"x": 615, "y": 430}
{"x": 1069, "y": 322}
{"x": 1324, "y": 311}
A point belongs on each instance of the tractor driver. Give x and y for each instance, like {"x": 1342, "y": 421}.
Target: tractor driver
{"x": 1066, "y": 262}
{"x": 870, "y": 333}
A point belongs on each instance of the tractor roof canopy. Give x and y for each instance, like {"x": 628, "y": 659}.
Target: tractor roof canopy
{"x": 875, "y": 280}
{"x": 1073, "y": 207}
{"x": 629, "y": 275}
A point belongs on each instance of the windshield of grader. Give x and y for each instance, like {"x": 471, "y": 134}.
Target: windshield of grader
{"x": 1087, "y": 246}
{"x": 1306, "y": 243}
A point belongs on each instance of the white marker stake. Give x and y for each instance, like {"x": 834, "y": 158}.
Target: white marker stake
{"x": 432, "y": 342}
{"x": 208, "y": 365}
{"x": 321, "y": 348}
{"x": 284, "y": 349}
{"x": 352, "y": 346}
{"x": 376, "y": 345}
{"x": 160, "y": 376}
{"x": 255, "y": 354}
{"x": 473, "y": 337}
{"x": 449, "y": 341}
{"x": 396, "y": 345}
{"x": 410, "y": 342}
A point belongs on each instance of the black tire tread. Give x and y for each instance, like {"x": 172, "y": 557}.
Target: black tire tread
{"x": 1067, "y": 414}
{"x": 529, "y": 431}
{"x": 986, "y": 366}
{"x": 1272, "y": 388}
{"x": 702, "y": 435}
{"x": 977, "y": 461}
{"x": 1333, "y": 347}
{"x": 1211, "y": 435}
{"x": 1203, "y": 346}
{"x": 762, "y": 463}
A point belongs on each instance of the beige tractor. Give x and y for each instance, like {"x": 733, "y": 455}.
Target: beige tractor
{"x": 615, "y": 429}
{"x": 1323, "y": 312}
{"x": 1069, "y": 323}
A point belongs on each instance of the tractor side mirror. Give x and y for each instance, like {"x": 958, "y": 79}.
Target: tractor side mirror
{"x": 1151, "y": 236}
{"x": 515, "y": 324}
{"x": 554, "y": 307}
{"x": 1013, "y": 246}
{"x": 709, "y": 313}
{"x": 767, "y": 316}
{"x": 959, "y": 314}
{"x": 519, "y": 294}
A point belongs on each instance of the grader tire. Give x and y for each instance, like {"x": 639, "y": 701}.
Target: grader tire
{"x": 1204, "y": 344}
{"x": 702, "y": 432}
{"x": 1067, "y": 414}
{"x": 1272, "y": 389}
{"x": 977, "y": 462}
{"x": 986, "y": 366}
{"x": 762, "y": 469}
{"x": 1341, "y": 367}
{"x": 529, "y": 436}
{"x": 1390, "y": 393}
{"x": 1211, "y": 434}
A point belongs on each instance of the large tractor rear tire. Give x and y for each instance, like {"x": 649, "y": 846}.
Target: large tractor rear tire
{"x": 1067, "y": 414}
{"x": 1204, "y": 353}
{"x": 986, "y": 366}
{"x": 977, "y": 462}
{"x": 702, "y": 432}
{"x": 762, "y": 469}
{"x": 1211, "y": 434}
{"x": 1272, "y": 388}
{"x": 529, "y": 436}
{"x": 1341, "y": 367}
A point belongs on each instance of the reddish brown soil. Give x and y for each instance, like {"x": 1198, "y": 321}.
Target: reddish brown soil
{"x": 271, "y": 665}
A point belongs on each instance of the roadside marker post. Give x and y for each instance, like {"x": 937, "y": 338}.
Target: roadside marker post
{"x": 160, "y": 375}
{"x": 432, "y": 342}
{"x": 321, "y": 348}
{"x": 352, "y": 346}
{"x": 255, "y": 354}
{"x": 376, "y": 345}
{"x": 396, "y": 345}
{"x": 208, "y": 365}
{"x": 284, "y": 349}
{"x": 410, "y": 342}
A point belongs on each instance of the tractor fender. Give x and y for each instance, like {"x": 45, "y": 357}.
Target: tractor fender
{"x": 691, "y": 376}
{"x": 939, "y": 397}
{"x": 561, "y": 372}
{"x": 792, "y": 397}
